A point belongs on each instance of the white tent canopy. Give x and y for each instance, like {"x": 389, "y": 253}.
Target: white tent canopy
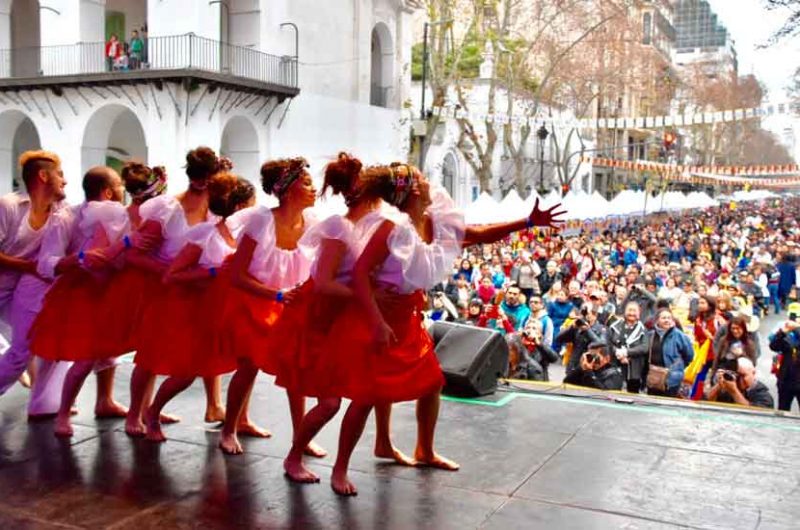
{"x": 484, "y": 210}
{"x": 513, "y": 207}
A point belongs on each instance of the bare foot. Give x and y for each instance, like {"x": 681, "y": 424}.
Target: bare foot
{"x": 73, "y": 411}
{"x": 297, "y": 472}
{"x": 215, "y": 414}
{"x": 436, "y": 461}
{"x": 134, "y": 427}
{"x": 25, "y": 380}
{"x": 252, "y": 430}
{"x": 168, "y": 419}
{"x": 229, "y": 443}
{"x": 110, "y": 409}
{"x": 392, "y": 453}
{"x": 154, "y": 432}
{"x": 341, "y": 485}
{"x": 63, "y": 427}
{"x": 312, "y": 449}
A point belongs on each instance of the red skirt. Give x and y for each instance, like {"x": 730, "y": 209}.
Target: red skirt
{"x": 125, "y": 300}
{"x": 247, "y": 326}
{"x": 177, "y": 330}
{"x": 340, "y": 359}
{"x": 71, "y": 320}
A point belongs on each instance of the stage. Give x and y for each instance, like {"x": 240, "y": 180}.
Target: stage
{"x": 530, "y": 459}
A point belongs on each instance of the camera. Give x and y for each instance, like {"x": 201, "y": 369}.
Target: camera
{"x": 581, "y": 323}
{"x": 592, "y": 358}
{"x": 729, "y": 375}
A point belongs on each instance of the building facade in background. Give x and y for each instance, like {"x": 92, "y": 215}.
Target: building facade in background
{"x": 233, "y": 75}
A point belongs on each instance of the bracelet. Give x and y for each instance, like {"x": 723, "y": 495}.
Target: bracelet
{"x": 529, "y": 222}
{"x": 212, "y": 271}
{"x": 127, "y": 242}
{"x": 82, "y": 258}
{"x": 279, "y": 296}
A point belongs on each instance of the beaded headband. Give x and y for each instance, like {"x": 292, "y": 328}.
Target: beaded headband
{"x": 295, "y": 169}
{"x": 156, "y": 185}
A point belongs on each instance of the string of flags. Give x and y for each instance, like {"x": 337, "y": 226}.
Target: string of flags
{"x": 642, "y": 122}
{"x": 770, "y": 176}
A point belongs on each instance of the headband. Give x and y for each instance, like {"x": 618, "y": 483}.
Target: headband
{"x": 295, "y": 169}
{"x": 156, "y": 185}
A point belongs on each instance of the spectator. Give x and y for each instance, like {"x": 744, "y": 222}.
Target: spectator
{"x": 474, "y": 312}
{"x": 549, "y": 277}
{"x": 136, "y": 50}
{"x": 486, "y": 291}
{"x": 492, "y": 317}
{"x": 441, "y": 309}
{"x": 513, "y": 306}
{"x": 464, "y": 269}
{"x": 525, "y": 275}
{"x": 735, "y": 332}
{"x": 113, "y": 51}
{"x": 595, "y": 370}
{"x": 530, "y": 357}
{"x": 538, "y": 312}
{"x": 741, "y": 387}
{"x": 786, "y": 343}
{"x": 670, "y": 352}
{"x": 584, "y": 331}
{"x": 788, "y": 276}
{"x": 642, "y": 296}
{"x": 559, "y": 310}
{"x": 628, "y": 344}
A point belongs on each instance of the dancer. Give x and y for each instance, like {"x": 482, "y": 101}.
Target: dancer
{"x": 308, "y": 366}
{"x": 24, "y": 219}
{"x": 168, "y": 219}
{"x": 267, "y": 266}
{"x": 74, "y": 318}
{"x": 195, "y": 280}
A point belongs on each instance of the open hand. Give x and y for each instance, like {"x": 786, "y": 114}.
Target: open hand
{"x": 546, "y": 218}
{"x": 145, "y": 242}
{"x": 95, "y": 259}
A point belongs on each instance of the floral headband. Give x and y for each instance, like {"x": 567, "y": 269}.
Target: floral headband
{"x": 156, "y": 185}
{"x": 293, "y": 171}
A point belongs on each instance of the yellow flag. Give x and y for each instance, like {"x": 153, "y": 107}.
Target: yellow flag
{"x": 733, "y": 206}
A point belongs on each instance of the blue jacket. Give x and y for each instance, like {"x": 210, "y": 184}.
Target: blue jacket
{"x": 678, "y": 352}
{"x": 787, "y": 270}
{"x": 521, "y": 313}
{"x": 630, "y": 257}
{"x": 674, "y": 256}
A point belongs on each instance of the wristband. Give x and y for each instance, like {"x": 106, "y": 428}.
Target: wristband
{"x": 127, "y": 242}
{"x": 212, "y": 271}
{"x": 82, "y": 258}
{"x": 529, "y": 222}
{"x": 279, "y": 296}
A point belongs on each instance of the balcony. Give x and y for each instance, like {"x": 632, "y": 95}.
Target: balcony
{"x": 179, "y": 57}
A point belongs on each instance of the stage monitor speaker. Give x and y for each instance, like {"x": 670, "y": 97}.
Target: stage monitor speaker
{"x": 472, "y": 358}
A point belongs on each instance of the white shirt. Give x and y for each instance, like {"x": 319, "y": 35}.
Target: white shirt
{"x": 167, "y": 211}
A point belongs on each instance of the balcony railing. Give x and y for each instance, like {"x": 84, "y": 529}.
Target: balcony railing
{"x": 178, "y": 52}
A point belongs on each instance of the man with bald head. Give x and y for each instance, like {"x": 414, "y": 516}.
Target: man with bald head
{"x": 58, "y": 248}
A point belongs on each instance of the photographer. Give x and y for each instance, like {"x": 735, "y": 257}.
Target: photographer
{"x": 641, "y": 295}
{"x": 786, "y": 343}
{"x": 595, "y": 370}
{"x": 530, "y": 357}
{"x": 627, "y": 341}
{"x": 741, "y": 387}
{"x": 586, "y": 330}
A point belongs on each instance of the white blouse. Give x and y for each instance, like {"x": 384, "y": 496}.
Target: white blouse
{"x": 275, "y": 267}
{"x": 215, "y": 248}
{"x": 167, "y": 211}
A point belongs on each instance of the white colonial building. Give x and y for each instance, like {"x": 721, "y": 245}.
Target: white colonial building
{"x": 255, "y": 79}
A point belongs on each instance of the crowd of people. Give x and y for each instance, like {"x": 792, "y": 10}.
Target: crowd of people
{"x": 206, "y": 282}
{"x": 124, "y": 55}
{"x": 667, "y": 305}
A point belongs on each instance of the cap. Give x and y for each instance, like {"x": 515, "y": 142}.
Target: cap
{"x": 598, "y": 346}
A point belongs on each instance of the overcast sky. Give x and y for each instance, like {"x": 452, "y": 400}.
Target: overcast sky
{"x": 750, "y": 25}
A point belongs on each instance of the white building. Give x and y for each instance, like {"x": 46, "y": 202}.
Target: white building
{"x": 222, "y": 73}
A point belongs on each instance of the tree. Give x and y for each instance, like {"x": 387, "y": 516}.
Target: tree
{"x": 790, "y": 28}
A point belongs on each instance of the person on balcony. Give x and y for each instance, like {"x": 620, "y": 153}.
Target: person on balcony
{"x": 136, "y": 50}
{"x": 113, "y": 51}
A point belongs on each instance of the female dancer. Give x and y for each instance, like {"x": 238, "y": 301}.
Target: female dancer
{"x": 167, "y": 219}
{"x": 267, "y": 265}
{"x": 73, "y": 318}
{"x": 193, "y": 283}
{"x": 408, "y": 369}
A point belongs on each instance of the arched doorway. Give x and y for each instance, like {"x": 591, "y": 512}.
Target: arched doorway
{"x": 17, "y": 135}
{"x": 240, "y": 144}
{"x": 449, "y": 174}
{"x": 382, "y": 69}
{"x": 25, "y": 33}
{"x": 112, "y": 136}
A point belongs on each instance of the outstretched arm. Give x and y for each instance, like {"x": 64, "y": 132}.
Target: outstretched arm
{"x": 478, "y": 234}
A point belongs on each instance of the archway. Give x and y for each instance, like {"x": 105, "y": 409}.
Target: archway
{"x": 25, "y": 38}
{"x": 450, "y": 174}
{"x": 240, "y": 144}
{"x": 113, "y": 135}
{"x": 382, "y": 70}
{"x": 17, "y": 135}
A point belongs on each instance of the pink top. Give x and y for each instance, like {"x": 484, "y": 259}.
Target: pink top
{"x": 215, "y": 248}
{"x": 168, "y": 212}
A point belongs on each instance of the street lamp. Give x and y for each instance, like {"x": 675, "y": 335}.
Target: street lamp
{"x": 428, "y": 25}
{"x": 542, "y": 135}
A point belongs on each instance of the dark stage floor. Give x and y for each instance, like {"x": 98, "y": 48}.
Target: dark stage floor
{"x": 529, "y": 461}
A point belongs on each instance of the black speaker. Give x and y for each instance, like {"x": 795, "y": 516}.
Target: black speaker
{"x": 472, "y": 358}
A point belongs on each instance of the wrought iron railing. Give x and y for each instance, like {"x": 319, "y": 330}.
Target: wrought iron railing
{"x": 178, "y": 52}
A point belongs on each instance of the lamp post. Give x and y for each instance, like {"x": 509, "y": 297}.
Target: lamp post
{"x": 542, "y": 135}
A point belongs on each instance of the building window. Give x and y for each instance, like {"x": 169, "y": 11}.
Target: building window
{"x": 647, "y": 28}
